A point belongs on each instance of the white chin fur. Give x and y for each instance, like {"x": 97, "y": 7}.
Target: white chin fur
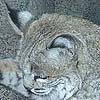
{"x": 41, "y": 91}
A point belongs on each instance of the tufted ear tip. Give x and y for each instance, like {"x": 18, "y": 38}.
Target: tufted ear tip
{"x": 24, "y": 17}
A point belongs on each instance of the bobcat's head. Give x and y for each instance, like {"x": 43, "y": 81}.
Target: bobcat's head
{"x": 53, "y": 52}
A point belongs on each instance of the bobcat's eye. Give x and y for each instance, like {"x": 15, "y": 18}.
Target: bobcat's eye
{"x": 61, "y": 42}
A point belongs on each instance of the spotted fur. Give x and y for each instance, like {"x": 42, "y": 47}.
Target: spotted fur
{"x": 54, "y": 62}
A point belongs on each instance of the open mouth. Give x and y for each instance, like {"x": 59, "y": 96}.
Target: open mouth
{"x": 41, "y": 91}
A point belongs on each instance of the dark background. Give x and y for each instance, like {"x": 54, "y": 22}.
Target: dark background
{"x": 89, "y": 9}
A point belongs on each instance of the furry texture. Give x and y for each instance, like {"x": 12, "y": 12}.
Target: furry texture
{"x": 52, "y": 70}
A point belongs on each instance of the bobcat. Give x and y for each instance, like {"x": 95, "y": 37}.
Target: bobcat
{"x": 58, "y": 59}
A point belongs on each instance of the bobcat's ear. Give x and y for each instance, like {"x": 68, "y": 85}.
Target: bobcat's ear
{"x": 24, "y": 17}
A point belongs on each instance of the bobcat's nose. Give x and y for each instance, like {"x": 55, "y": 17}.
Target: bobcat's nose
{"x": 37, "y": 77}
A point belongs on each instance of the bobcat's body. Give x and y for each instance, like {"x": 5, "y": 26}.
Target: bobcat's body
{"x": 58, "y": 60}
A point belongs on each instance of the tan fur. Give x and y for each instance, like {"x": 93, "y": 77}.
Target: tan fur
{"x": 8, "y": 65}
{"x": 73, "y": 77}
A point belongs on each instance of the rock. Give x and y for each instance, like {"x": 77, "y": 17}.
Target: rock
{"x": 7, "y": 93}
{"x": 9, "y": 34}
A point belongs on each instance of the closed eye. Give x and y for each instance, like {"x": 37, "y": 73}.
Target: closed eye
{"x": 60, "y": 42}
{"x": 64, "y": 42}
